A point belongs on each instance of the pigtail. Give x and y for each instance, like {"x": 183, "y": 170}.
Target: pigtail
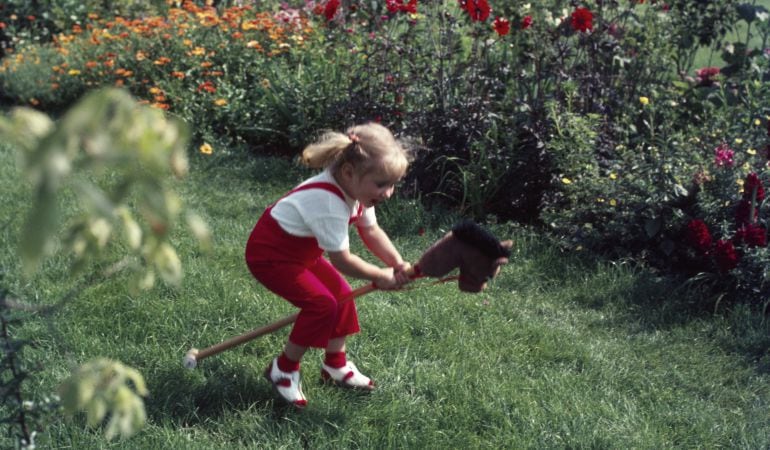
{"x": 326, "y": 150}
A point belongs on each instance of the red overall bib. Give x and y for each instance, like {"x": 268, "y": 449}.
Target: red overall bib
{"x": 293, "y": 267}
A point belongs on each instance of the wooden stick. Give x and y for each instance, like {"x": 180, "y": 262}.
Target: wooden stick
{"x": 194, "y": 355}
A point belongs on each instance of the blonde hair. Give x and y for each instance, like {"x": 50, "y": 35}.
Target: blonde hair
{"x": 366, "y": 147}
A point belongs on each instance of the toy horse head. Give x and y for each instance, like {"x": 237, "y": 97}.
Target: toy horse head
{"x": 475, "y": 251}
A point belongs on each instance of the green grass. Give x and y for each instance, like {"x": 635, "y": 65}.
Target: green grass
{"x": 561, "y": 352}
{"x": 708, "y": 56}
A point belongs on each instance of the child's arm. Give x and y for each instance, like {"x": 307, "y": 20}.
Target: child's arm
{"x": 353, "y": 266}
{"x": 378, "y": 242}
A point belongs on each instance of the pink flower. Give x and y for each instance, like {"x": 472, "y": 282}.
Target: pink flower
{"x": 723, "y": 156}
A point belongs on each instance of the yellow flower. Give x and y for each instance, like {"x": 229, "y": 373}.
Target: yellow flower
{"x": 220, "y": 102}
{"x": 206, "y": 148}
{"x": 757, "y": 122}
{"x": 738, "y": 141}
{"x": 751, "y": 151}
{"x": 73, "y": 72}
{"x": 600, "y": 200}
{"x": 613, "y": 202}
{"x": 199, "y": 51}
{"x": 566, "y": 180}
{"x": 613, "y": 176}
{"x": 265, "y": 83}
{"x": 644, "y": 100}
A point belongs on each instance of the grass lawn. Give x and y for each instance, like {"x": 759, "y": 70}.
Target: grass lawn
{"x": 713, "y": 57}
{"x": 561, "y": 352}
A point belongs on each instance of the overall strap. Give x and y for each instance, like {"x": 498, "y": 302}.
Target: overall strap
{"x": 331, "y": 188}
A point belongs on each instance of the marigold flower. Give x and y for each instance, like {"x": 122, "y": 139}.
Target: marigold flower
{"x": 502, "y": 26}
{"x": 582, "y": 20}
{"x": 220, "y": 102}
{"x": 73, "y": 72}
{"x": 206, "y": 148}
{"x": 644, "y": 100}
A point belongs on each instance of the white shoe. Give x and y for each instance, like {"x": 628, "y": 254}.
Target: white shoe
{"x": 286, "y": 384}
{"x": 347, "y": 376}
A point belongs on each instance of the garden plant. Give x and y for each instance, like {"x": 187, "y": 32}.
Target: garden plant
{"x": 628, "y": 141}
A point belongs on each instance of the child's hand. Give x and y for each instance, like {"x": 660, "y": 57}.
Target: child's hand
{"x": 387, "y": 280}
{"x": 402, "y": 273}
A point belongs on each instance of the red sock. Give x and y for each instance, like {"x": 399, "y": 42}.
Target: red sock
{"x": 335, "y": 360}
{"x": 287, "y": 365}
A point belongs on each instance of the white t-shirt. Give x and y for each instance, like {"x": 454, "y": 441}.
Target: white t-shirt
{"x": 321, "y": 214}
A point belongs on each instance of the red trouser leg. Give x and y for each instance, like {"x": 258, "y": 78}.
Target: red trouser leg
{"x": 316, "y": 290}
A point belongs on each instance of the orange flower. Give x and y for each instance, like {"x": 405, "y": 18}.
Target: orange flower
{"x": 178, "y": 75}
{"x": 220, "y": 102}
{"x": 162, "y": 61}
{"x": 140, "y": 56}
{"x": 91, "y": 64}
{"x": 206, "y": 64}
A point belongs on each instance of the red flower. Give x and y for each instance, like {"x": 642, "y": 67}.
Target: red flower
{"x": 526, "y": 22}
{"x": 330, "y": 10}
{"x": 395, "y": 6}
{"x": 478, "y": 10}
{"x": 698, "y": 235}
{"x": 502, "y": 26}
{"x": 582, "y": 20}
{"x": 753, "y": 182}
{"x": 725, "y": 255}
{"x": 742, "y": 212}
{"x": 752, "y": 234}
{"x": 705, "y": 75}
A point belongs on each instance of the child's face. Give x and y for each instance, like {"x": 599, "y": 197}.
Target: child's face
{"x": 373, "y": 187}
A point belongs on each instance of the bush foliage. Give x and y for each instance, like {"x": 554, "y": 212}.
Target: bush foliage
{"x": 589, "y": 119}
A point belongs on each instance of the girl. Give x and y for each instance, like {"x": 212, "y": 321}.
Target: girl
{"x": 285, "y": 248}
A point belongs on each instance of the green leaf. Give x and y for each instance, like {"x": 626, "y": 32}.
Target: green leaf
{"x": 652, "y": 227}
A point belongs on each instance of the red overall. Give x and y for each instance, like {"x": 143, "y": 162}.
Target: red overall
{"x": 293, "y": 267}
